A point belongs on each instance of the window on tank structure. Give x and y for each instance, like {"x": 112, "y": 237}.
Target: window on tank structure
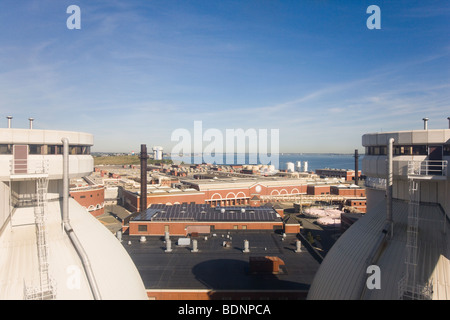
{"x": 5, "y": 148}
{"x": 446, "y": 150}
{"x": 420, "y": 150}
{"x": 403, "y": 150}
{"x": 35, "y": 149}
{"x": 54, "y": 149}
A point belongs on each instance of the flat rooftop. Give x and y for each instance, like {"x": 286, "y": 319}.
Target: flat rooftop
{"x": 217, "y": 267}
{"x": 203, "y": 212}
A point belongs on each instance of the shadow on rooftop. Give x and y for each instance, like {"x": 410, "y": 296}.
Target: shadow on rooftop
{"x": 230, "y": 278}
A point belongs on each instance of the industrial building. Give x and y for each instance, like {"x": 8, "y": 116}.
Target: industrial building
{"x": 346, "y": 174}
{"x": 405, "y": 232}
{"x": 92, "y": 197}
{"x": 45, "y": 235}
{"x": 185, "y": 219}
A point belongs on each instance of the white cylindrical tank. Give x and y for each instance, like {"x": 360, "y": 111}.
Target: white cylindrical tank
{"x": 157, "y": 153}
{"x": 299, "y": 166}
{"x": 290, "y": 167}
{"x": 305, "y": 166}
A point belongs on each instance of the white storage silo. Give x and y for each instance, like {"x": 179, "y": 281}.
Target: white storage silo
{"x": 305, "y": 166}
{"x": 157, "y": 153}
{"x": 299, "y": 166}
{"x": 290, "y": 167}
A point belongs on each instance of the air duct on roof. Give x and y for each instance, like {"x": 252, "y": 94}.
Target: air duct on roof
{"x": 9, "y": 121}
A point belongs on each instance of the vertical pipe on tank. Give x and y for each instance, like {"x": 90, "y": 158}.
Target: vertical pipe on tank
{"x": 389, "y": 180}
{"x": 68, "y": 228}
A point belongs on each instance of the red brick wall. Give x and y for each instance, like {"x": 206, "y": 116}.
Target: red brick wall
{"x": 225, "y": 197}
{"x": 90, "y": 198}
{"x": 224, "y": 294}
{"x": 317, "y": 190}
{"x": 352, "y": 192}
{"x": 292, "y": 228}
{"x": 358, "y": 204}
{"x": 157, "y": 228}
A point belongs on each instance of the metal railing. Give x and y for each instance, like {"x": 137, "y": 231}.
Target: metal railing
{"x": 413, "y": 291}
{"x": 375, "y": 183}
{"x": 428, "y": 168}
{"x": 28, "y": 166}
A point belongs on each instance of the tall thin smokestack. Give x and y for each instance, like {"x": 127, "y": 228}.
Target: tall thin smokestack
{"x": 9, "y": 121}
{"x": 31, "y": 122}
{"x": 389, "y": 182}
{"x": 425, "y": 123}
{"x": 143, "y": 156}
{"x": 448, "y": 118}
{"x": 356, "y": 167}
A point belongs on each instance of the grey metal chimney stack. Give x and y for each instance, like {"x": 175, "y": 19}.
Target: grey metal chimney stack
{"x": 425, "y": 123}
{"x": 143, "y": 200}
{"x": 9, "y": 121}
{"x": 356, "y": 167}
{"x": 31, "y": 122}
{"x": 448, "y": 118}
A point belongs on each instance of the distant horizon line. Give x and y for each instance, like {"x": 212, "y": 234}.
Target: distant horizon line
{"x": 246, "y": 153}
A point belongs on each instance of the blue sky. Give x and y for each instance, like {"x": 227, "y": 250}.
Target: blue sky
{"x": 138, "y": 70}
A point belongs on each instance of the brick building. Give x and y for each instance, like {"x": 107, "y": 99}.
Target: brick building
{"x": 347, "y": 174}
{"x": 220, "y": 192}
{"x": 90, "y": 197}
{"x": 315, "y": 190}
{"x": 348, "y": 190}
{"x": 185, "y": 219}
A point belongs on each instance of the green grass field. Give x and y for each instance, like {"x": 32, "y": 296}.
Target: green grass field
{"x": 124, "y": 160}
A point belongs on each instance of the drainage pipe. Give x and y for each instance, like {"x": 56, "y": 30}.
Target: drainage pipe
{"x": 68, "y": 228}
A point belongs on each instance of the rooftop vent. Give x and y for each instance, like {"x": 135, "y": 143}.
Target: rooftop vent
{"x": 425, "y": 123}
{"x": 9, "y": 121}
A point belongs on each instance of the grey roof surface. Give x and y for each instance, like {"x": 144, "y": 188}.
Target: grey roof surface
{"x": 220, "y": 268}
{"x": 203, "y": 212}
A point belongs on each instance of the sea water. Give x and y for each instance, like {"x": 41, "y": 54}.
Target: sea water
{"x": 315, "y": 161}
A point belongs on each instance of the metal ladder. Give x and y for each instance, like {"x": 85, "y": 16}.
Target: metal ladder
{"x": 409, "y": 287}
{"x": 46, "y": 289}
